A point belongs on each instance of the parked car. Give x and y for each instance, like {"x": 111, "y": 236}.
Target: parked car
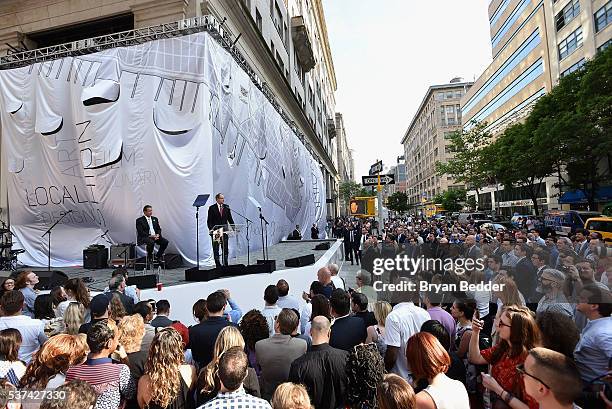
{"x": 465, "y": 218}
{"x": 493, "y": 227}
{"x": 565, "y": 222}
{"x": 454, "y": 215}
{"x": 514, "y": 219}
{"x": 601, "y": 225}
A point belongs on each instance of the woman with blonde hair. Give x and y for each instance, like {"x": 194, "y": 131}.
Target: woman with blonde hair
{"x": 507, "y": 296}
{"x": 167, "y": 382}
{"x": 290, "y": 396}
{"x": 131, "y": 333}
{"x": 48, "y": 367}
{"x": 208, "y": 380}
{"x": 74, "y": 317}
{"x": 376, "y": 332}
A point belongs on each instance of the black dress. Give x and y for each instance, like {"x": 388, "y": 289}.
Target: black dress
{"x": 184, "y": 399}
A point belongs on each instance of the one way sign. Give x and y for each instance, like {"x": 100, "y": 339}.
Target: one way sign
{"x": 373, "y": 180}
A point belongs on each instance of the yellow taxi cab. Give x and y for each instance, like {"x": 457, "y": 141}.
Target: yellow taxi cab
{"x": 602, "y": 225}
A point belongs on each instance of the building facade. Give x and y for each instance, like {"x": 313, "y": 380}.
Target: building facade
{"x": 344, "y": 153}
{"x": 426, "y": 141}
{"x": 284, "y": 41}
{"x": 534, "y": 43}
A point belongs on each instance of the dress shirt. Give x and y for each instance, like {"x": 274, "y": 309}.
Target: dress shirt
{"x": 151, "y": 229}
{"x": 594, "y": 349}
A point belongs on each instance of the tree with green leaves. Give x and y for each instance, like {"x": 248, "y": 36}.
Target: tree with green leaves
{"x": 398, "y": 202}
{"x": 520, "y": 159}
{"x": 573, "y": 124}
{"x": 451, "y": 200}
{"x": 470, "y": 163}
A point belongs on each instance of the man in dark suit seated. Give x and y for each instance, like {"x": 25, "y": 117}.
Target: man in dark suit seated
{"x": 347, "y": 330}
{"x": 219, "y": 214}
{"x": 149, "y": 233}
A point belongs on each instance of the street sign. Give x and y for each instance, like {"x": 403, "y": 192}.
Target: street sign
{"x": 373, "y": 180}
{"x": 376, "y": 168}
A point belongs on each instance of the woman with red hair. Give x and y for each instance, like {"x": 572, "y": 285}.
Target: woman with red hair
{"x": 49, "y": 365}
{"x": 428, "y": 360}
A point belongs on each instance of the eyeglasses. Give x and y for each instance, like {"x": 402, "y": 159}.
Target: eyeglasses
{"x": 503, "y": 324}
{"x": 521, "y": 369}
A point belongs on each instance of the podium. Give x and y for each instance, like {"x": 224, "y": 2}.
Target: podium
{"x": 223, "y": 235}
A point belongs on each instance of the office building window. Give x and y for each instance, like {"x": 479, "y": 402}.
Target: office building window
{"x": 603, "y": 17}
{"x": 277, "y": 18}
{"x": 272, "y": 47}
{"x": 570, "y": 43}
{"x": 604, "y": 46}
{"x": 258, "y": 20}
{"x": 573, "y": 68}
{"x": 571, "y": 10}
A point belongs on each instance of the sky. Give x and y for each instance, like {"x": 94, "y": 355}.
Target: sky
{"x": 387, "y": 53}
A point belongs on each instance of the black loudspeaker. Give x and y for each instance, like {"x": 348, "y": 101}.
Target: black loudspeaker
{"x": 322, "y": 246}
{"x": 143, "y": 281}
{"x": 122, "y": 251}
{"x": 300, "y": 261}
{"x": 95, "y": 257}
{"x": 193, "y": 274}
{"x": 271, "y": 265}
{"x": 50, "y": 279}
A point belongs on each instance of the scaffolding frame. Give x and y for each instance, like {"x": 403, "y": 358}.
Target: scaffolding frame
{"x": 137, "y": 36}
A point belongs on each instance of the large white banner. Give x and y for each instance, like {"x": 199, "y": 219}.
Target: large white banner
{"x": 159, "y": 123}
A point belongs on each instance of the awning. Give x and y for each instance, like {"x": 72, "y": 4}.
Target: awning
{"x": 603, "y": 194}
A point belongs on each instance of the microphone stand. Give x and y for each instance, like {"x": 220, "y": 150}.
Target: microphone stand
{"x": 49, "y": 233}
{"x": 247, "y": 234}
{"x": 264, "y": 242}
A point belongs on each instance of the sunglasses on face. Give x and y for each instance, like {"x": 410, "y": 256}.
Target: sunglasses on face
{"x": 521, "y": 370}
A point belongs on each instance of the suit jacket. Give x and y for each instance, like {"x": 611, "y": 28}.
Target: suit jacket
{"x": 474, "y": 253}
{"x": 161, "y": 321}
{"x": 215, "y": 218}
{"x": 347, "y": 332}
{"x": 142, "y": 228}
{"x": 274, "y": 356}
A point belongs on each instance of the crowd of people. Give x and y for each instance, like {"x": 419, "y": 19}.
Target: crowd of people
{"x": 541, "y": 337}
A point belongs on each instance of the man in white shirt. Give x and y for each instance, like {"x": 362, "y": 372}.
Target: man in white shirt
{"x": 32, "y": 330}
{"x": 284, "y": 299}
{"x": 336, "y": 279}
{"x": 271, "y": 310}
{"x": 402, "y": 322}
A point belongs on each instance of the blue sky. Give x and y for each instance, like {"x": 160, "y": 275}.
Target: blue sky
{"x": 388, "y": 52}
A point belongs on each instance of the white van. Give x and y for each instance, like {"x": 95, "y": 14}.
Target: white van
{"x": 465, "y": 218}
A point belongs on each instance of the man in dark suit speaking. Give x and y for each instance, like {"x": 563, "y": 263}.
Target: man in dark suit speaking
{"x": 149, "y": 233}
{"x": 219, "y": 214}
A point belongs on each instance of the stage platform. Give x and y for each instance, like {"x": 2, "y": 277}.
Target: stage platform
{"x": 246, "y": 290}
{"x": 279, "y": 252}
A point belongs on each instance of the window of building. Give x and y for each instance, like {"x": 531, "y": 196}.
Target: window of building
{"x": 604, "y": 46}
{"x": 573, "y": 68}
{"x": 277, "y": 18}
{"x": 570, "y": 43}
{"x": 449, "y": 95}
{"x": 603, "y": 17}
{"x": 567, "y": 14}
{"x": 272, "y": 47}
{"x": 458, "y": 94}
{"x": 258, "y": 20}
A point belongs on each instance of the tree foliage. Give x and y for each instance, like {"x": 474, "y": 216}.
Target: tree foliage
{"x": 520, "y": 159}
{"x": 470, "y": 162}
{"x": 398, "y": 202}
{"x": 572, "y": 125}
{"x": 451, "y": 200}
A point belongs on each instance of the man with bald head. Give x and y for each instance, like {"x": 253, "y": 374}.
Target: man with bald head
{"x": 471, "y": 249}
{"x": 324, "y": 276}
{"x": 322, "y": 369}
